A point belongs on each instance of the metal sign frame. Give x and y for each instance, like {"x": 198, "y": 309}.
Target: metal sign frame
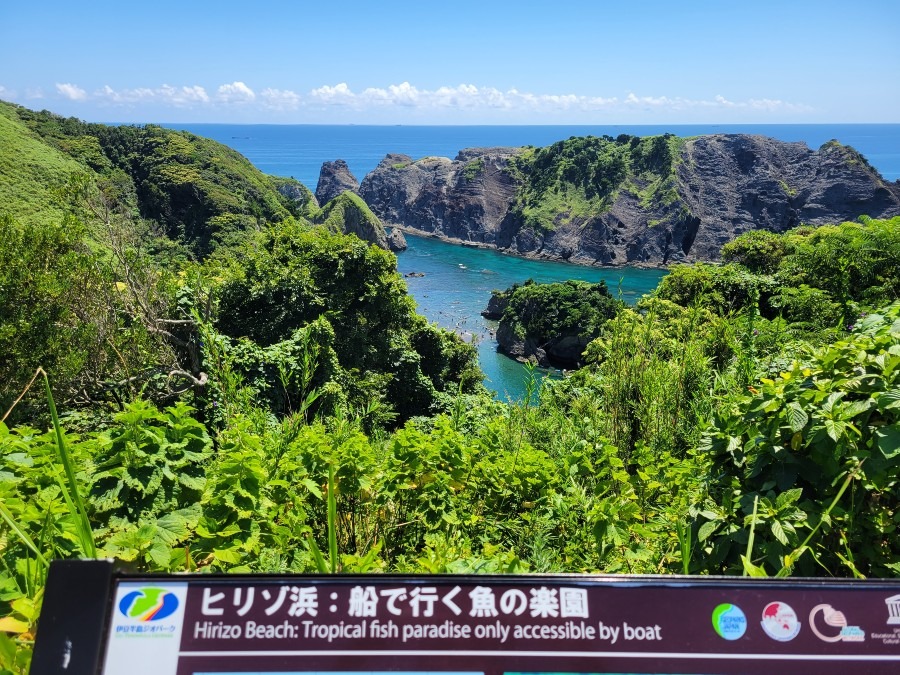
{"x": 99, "y": 620}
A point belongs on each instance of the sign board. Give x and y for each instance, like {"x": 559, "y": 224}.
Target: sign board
{"x": 224, "y": 625}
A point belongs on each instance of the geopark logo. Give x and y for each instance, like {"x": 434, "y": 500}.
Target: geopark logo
{"x": 148, "y": 604}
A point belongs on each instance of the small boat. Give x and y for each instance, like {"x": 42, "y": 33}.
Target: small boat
{"x": 462, "y": 267}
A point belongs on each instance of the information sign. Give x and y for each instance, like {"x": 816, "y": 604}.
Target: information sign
{"x": 223, "y": 625}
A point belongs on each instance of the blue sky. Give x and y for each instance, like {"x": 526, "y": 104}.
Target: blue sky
{"x": 455, "y": 62}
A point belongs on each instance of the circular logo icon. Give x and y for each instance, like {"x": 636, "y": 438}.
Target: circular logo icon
{"x": 729, "y": 621}
{"x": 148, "y": 604}
{"x": 780, "y": 622}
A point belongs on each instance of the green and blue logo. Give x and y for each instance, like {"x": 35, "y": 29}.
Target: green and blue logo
{"x": 148, "y": 604}
{"x": 729, "y": 621}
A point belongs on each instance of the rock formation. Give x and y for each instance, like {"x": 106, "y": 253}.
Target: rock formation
{"x": 395, "y": 240}
{"x": 716, "y": 187}
{"x": 334, "y": 179}
{"x": 297, "y": 193}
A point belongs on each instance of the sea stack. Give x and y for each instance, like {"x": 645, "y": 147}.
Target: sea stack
{"x": 335, "y": 178}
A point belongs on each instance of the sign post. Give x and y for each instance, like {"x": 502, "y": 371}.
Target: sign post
{"x": 223, "y": 625}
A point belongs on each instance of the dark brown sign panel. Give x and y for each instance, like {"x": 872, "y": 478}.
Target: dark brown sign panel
{"x": 206, "y": 625}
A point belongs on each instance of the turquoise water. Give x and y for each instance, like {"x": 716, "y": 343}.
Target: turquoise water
{"x": 458, "y": 282}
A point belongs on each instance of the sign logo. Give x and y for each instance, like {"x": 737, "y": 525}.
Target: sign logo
{"x": 780, "y": 622}
{"x": 148, "y": 604}
{"x": 831, "y": 619}
{"x": 729, "y": 621}
{"x": 893, "y": 607}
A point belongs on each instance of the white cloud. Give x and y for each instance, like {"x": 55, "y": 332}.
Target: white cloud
{"x": 236, "y": 92}
{"x": 71, "y": 91}
{"x": 471, "y": 101}
{"x": 472, "y": 97}
{"x": 175, "y": 96}
{"x": 280, "y": 99}
{"x": 340, "y": 93}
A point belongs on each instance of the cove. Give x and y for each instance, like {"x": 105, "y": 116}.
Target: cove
{"x": 457, "y": 285}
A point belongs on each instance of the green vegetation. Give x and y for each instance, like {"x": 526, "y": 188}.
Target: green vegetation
{"x": 560, "y": 319}
{"x": 278, "y": 406}
{"x": 33, "y": 173}
{"x": 199, "y": 192}
{"x": 579, "y": 178}
{"x": 348, "y": 213}
{"x": 473, "y": 169}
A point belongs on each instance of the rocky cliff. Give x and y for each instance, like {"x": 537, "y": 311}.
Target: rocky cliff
{"x": 627, "y": 200}
{"x": 335, "y": 178}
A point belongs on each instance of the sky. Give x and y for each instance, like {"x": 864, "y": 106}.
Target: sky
{"x": 455, "y": 62}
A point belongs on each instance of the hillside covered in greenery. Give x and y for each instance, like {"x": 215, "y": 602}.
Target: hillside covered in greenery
{"x": 269, "y": 400}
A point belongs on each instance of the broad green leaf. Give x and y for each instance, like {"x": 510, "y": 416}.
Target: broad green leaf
{"x": 227, "y": 555}
{"x": 889, "y": 441}
{"x": 160, "y": 554}
{"x": 856, "y": 408}
{"x": 192, "y": 482}
{"x": 797, "y": 416}
{"x": 450, "y": 517}
{"x": 889, "y": 400}
{"x": 171, "y": 528}
{"x": 778, "y": 532}
{"x": 706, "y": 530}
{"x": 788, "y": 497}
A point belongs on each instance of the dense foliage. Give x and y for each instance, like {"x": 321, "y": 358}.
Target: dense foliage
{"x": 557, "y": 320}
{"x": 369, "y": 345}
{"x": 280, "y": 407}
{"x": 812, "y": 278}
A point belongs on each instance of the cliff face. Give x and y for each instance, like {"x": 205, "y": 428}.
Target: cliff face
{"x": 466, "y": 198}
{"x": 662, "y": 206}
{"x": 335, "y": 178}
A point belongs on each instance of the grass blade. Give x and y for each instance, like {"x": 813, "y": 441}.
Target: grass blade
{"x": 321, "y": 563}
{"x": 71, "y": 495}
{"x": 332, "y": 520}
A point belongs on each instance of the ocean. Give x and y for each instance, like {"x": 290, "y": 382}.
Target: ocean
{"x": 458, "y": 280}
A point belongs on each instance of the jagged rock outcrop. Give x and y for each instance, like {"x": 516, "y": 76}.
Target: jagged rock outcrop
{"x": 466, "y": 198}
{"x": 561, "y": 351}
{"x": 496, "y": 306}
{"x": 334, "y": 179}
{"x": 713, "y": 189}
{"x": 395, "y": 240}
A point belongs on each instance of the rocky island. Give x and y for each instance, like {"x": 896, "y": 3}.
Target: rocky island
{"x": 625, "y": 200}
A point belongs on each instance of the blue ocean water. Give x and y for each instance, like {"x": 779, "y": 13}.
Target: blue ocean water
{"x": 458, "y": 280}
{"x": 299, "y": 150}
